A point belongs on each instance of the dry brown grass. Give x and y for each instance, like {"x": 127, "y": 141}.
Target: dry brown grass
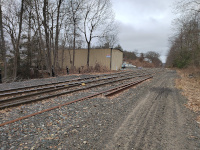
{"x": 189, "y": 83}
{"x": 97, "y": 69}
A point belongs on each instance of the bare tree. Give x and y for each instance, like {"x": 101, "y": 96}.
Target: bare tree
{"x": 57, "y": 34}
{"x": 3, "y": 48}
{"x": 97, "y": 17}
{"x": 46, "y": 27}
{"x": 74, "y": 10}
{"x": 17, "y": 54}
{"x": 11, "y": 22}
{"x": 28, "y": 36}
{"x": 41, "y": 43}
{"x": 110, "y": 39}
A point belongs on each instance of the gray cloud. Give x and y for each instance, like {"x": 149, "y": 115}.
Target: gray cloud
{"x": 144, "y": 40}
{"x": 144, "y": 25}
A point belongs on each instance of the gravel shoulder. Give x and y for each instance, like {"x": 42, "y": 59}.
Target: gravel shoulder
{"x": 158, "y": 120}
{"x": 151, "y": 115}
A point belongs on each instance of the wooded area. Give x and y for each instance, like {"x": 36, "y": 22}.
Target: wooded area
{"x": 185, "y": 43}
{"x": 32, "y": 32}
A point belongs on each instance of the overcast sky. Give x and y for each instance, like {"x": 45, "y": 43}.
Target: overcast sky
{"x": 145, "y": 25}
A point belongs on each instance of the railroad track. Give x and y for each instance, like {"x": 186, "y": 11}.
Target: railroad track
{"x": 40, "y": 89}
{"x": 14, "y": 97}
{"x": 52, "y": 84}
{"x": 142, "y": 76}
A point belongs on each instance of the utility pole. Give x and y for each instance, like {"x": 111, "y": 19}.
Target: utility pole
{"x": 0, "y": 77}
{"x": 111, "y": 58}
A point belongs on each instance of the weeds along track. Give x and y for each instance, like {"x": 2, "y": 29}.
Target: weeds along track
{"x": 14, "y": 97}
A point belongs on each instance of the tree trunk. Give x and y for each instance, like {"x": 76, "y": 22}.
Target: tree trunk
{"x": 56, "y": 38}
{"x": 17, "y": 54}
{"x": 62, "y": 56}
{"x": 74, "y": 45}
{"x": 88, "y": 55}
{"x": 70, "y": 58}
{"x": 51, "y": 41}
{"x": 49, "y": 64}
{"x": 41, "y": 43}
{"x": 3, "y": 48}
{"x": 29, "y": 41}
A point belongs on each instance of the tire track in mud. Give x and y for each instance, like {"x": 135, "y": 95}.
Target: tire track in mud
{"x": 156, "y": 121}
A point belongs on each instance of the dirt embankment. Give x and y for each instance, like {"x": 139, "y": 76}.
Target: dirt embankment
{"x": 189, "y": 83}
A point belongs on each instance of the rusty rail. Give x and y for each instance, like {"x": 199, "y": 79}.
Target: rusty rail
{"x": 124, "y": 87}
{"x": 55, "y": 107}
{"x": 52, "y": 88}
{"x": 55, "y": 83}
{"x": 18, "y": 100}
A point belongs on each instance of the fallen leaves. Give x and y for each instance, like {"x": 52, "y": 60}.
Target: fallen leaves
{"x": 198, "y": 119}
{"x": 191, "y": 89}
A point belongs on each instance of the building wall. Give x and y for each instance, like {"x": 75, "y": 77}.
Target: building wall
{"x": 80, "y": 57}
{"x": 117, "y": 59}
{"x": 66, "y": 58}
{"x": 101, "y": 56}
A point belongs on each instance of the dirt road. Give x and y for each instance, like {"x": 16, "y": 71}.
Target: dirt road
{"x": 158, "y": 120}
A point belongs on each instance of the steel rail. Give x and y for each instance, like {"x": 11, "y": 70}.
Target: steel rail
{"x": 56, "y": 88}
{"x": 59, "y": 82}
{"x": 10, "y": 103}
{"x": 59, "y": 106}
{"x": 51, "y": 87}
{"x": 38, "y": 89}
{"x": 124, "y": 87}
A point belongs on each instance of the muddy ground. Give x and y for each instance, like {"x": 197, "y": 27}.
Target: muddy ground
{"x": 151, "y": 115}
